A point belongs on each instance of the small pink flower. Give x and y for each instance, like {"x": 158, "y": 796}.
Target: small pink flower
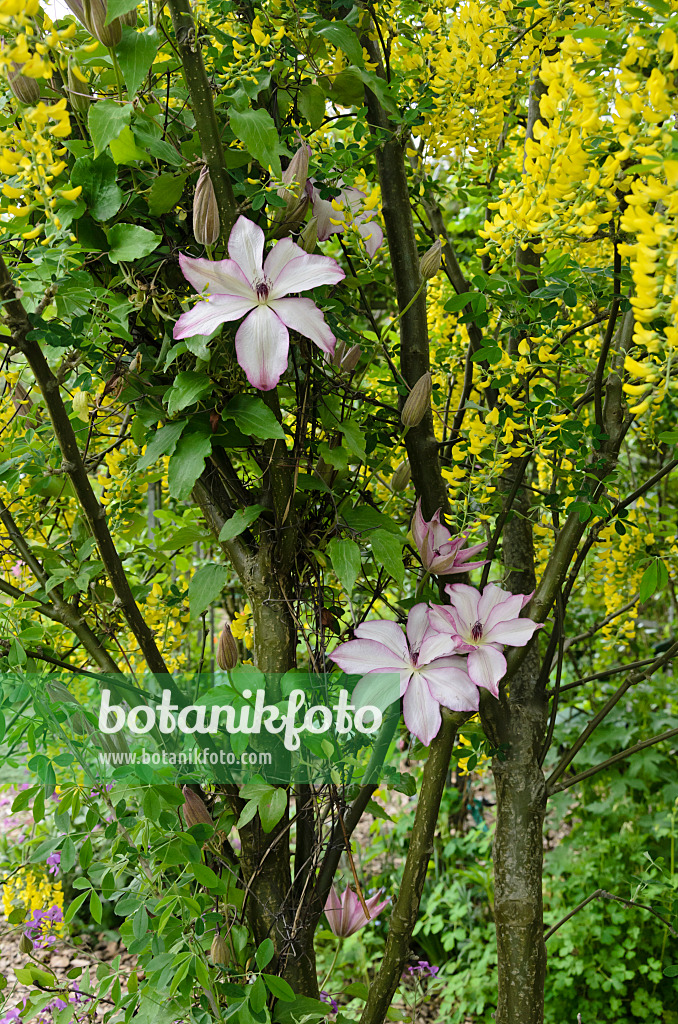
{"x": 439, "y": 553}
{"x": 246, "y": 286}
{"x": 16, "y": 569}
{"x": 346, "y": 915}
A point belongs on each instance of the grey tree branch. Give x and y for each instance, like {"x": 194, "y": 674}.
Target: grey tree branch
{"x": 574, "y": 779}
{"x": 604, "y": 895}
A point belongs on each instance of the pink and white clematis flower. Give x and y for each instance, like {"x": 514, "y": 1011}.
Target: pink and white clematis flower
{"x": 439, "y": 553}
{"x": 482, "y": 624}
{"x": 242, "y": 286}
{"x": 345, "y": 915}
{"x": 334, "y": 214}
{"x": 421, "y": 668}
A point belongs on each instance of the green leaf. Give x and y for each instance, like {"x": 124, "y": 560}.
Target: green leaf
{"x": 157, "y": 147}
{"x": 256, "y": 995}
{"x": 187, "y": 463}
{"x": 240, "y": 521}
{"x": 105, "y": 120}
{"x": 335, "y": 457}
{"x": 74, "y": 906}
{"x": 650, "y": 581}
{"x": 98, "y": 180}
{"x": 272, "y": 806}
{"x": 205, "y": 587}
{"x": 388, "y": 551}
{"x": 124, "y": 148}
{"x": 188, "y": 387}
{"x": 362, "y": 518}
{"x": 115, "y": 8}
{"x": 162, "y": 443}
{"x": 312, "y": 104}
{"x": 95, "y": 908}
{"x": 130, "y": 242}
{"x": 668, "y": 436}
{"x": 355, "y": 438}
{"x": 165, "y": 193}
{"x": 671, "y": 971}
{"x": 345, "y": 556}
{"x": 256, "y": 130}
{"x": 248, "y": 812}
{"x": 136, "y": 52}
{"x": 458, "y": 302}
{"x": 264, "y": 953}
{"x": 205, "y": 876}
{"x": 341, "y": 35}
{"x": 279, "y": 988}
{"x": 253, "y": 417}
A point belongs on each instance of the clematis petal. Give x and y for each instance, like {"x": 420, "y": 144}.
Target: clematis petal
{"x": 438, "y": 645}
{"x": 421, "y": 711}
{"x": 304, "y": 272}
{"x": 443, "y": 619}
{"x": 451, "y": 685}
{"x": 372, "y": 236}
{"x": 486, "y": 667}
{"x": 501, "y": 603}
{"x": 282, "y": 253}
{"x": 261, "y": 346}
{"x": 221, "y": 277}
{"x": 515, "y": 633}
{"x": 388, "y": 633}
{"x": 417, "y": 624}
{"x": 380, "y": 689}
{"x": 368, "y": 656}
{"x": 325, "y": 214}
{"x": 464, "y": 600}
{"x": 303, "y": 315}
{"x": 464, "y": 567}
{"x": 246, "y": 248}
{"x": 205, "y": 317}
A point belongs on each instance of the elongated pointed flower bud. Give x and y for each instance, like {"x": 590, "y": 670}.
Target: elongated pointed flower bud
{"x": 429, "y": 265}
{"x": 81, "y": 405}
{"x": 227, "y": 651}
{"x": 351, "y": 359}
{"x": 402, "y": 476}
{"x": 205, "y": 211}
{"x": 418, "y": 402}
{"x": 294, "y": 177}
{"x": 130, "y": 18}
{"x": 25, "y": 944}
{"x": 339, "y": 352}
{"x": 92, "y": 14}
{"x": 219, "y": 950}
{"x": 308, "y": 239}
{"x": 24, "y": 88}
{"x": 195, "y": 812}
{"x": 79, "y": 92}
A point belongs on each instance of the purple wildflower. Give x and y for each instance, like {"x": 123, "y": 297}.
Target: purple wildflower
{"x": 53, "y": 862}
{"x": 325, "y": 997}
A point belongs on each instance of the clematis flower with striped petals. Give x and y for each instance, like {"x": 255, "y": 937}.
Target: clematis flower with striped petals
{"x": 261, "y": 291}
{"x": 421, "y": 668}
{"x": 482, "y": 624}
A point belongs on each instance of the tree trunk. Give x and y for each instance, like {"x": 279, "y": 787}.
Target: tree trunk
{"x": 518, "y": 721}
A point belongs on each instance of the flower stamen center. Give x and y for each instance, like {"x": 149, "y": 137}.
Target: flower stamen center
{"x": 262, "y": 291}
{"x": 476, "y": 631}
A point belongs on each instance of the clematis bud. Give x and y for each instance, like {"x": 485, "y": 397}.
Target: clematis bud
{"x": 227, "y": 651}
{"x": 195, "y": 812}
{"x": 205, "y": 211}
{"x": 402, "y": 476}
{"x": 351, "y": 359}
{"x": 92, "y": 14}
{"x": 339, "y": 352}
{"x": 79, "y": 92}
{"x": 308, "y": 238}
{"x": 294, "y": 177}
{"x": 418, "y": 402}
{"x": 25, "y": 944}
{"x": 429, "y": 265}
{"x": 219, "y": 950}
{"x": 24, "y": 88}
{"x": 130, "y": 18}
